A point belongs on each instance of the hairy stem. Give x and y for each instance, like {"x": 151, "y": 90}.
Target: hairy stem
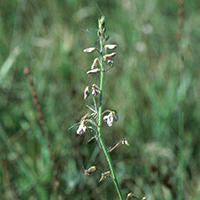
{"x": 100, "y": 123}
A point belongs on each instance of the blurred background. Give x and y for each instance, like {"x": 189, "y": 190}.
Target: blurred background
{"x": 154, "y": 86}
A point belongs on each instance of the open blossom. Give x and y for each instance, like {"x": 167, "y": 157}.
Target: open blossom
{"x": 112, "y": 116}
{"x": 82, "y": 128}
{"x": 87, "y": 92}
{"x": 109, "y": 119}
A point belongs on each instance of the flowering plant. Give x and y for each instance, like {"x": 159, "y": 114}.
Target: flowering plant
{"x": 94, "y": 120}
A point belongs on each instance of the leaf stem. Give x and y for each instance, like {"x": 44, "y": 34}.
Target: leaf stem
{"x": 101, "y": 140}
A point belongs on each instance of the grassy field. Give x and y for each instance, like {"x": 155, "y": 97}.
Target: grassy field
{"x": 154, "y": 86}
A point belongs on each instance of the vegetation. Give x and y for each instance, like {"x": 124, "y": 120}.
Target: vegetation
{"x": 154, "y": 87}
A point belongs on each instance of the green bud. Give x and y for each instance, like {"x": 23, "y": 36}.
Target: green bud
{"x": 101, "y": 23}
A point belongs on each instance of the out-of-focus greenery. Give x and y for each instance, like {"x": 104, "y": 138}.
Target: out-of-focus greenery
{"x": 154, "y": 86}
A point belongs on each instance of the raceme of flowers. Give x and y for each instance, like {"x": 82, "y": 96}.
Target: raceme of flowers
{"x": 90, "y": 121}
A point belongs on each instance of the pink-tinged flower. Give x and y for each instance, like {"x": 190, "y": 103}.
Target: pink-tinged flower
{"x": 94, "y": 63}
{"x": 92, "y": 71}
{"x": 87, "y": 92}
{"x": 89, "y": 50}
{"x": 109, "y": 55}
{"x": 110, "y": 46}
{"x": 109, "y": 118}
{"x": 95, "y": 90}
{"x": 82, "y": 128}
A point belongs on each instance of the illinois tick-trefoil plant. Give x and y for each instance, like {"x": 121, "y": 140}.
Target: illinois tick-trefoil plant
{"x": 92, "y": 122}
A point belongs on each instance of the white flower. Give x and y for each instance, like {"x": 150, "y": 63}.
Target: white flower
{"x": 87, "y": 92}
{"x": 110, "y": 46}
{"x": 109, "y": 118}
{"x": 89, "y": 50}
{"x": 82, "y": 128}
{"x": 92, "y": 71}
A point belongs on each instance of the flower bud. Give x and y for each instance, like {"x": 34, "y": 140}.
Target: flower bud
{"x": 110, "y": 63}
{"x": 109, "y": 55}
{"x": 92, "y": 71}
{"x": 95, "y": 90}
{"x": 110, "y": 46}
{"x": 89, "y": 50}
{"x": 94, "y": 63}
{"x": 86, "y": 92}
{"x": 125, "y": 141}
{"x": 129, "y": 195}
{"x": 90, "y": 170}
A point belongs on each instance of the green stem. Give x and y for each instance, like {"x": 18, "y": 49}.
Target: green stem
{"x": 101, "y": 140}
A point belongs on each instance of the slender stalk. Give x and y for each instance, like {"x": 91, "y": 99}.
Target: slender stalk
{"x": 100, "y": 122}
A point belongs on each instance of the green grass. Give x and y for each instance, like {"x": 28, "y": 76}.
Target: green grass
{"x": 154, "y": 87}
